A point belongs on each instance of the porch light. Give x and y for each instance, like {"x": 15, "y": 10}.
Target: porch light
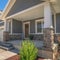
{"x": 51, "y": 27}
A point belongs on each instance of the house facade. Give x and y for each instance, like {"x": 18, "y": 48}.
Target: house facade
{"x": 30, "y": 17}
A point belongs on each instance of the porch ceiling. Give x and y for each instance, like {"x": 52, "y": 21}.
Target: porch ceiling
{"x": 57, "y": 6}
{"x": 36, "y": 12}
{"x": 31, "y": 14}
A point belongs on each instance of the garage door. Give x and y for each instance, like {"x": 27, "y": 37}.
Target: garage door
{"x": 1, "y": 34}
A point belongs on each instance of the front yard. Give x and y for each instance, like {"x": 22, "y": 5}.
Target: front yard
{"x": 17, "y": 43}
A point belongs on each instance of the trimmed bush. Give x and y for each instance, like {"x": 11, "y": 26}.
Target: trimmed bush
{"x": 28, "y": 51}
{"x": 31, "y": 37}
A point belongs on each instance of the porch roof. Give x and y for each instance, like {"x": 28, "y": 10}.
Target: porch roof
{"x": 34, "y": 12}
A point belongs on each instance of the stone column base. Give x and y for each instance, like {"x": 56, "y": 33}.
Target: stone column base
{"x": 46, "y": 53}
{"x": 5, "y": 36}
{"x": 48, "y": 37}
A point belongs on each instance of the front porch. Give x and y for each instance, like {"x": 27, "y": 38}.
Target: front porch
{"x": 31, "y": 21}
{"x": 38, "y": 22}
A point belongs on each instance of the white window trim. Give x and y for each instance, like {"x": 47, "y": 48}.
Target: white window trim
{"x": 36, "y": 26}
{"x": 24, "y": 27}
{"x": 55, "y": 28}
{"x": 15, "y": 34}
{"x": 55, "y": 23}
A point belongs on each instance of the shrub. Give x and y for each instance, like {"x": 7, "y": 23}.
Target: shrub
{"x": 31, "y": 37}
{"x": 28, "y": 51}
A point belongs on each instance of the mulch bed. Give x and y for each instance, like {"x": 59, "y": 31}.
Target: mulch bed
{"x": 16, "y": 57}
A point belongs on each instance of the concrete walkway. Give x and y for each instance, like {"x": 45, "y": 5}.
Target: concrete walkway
{"x": 4, "y": 55}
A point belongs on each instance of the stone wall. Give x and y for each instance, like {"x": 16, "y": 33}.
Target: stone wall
{"x": 48, "y": 37}
{"x": 57, "y": 38}
{"x": 37, "y": 36}
{"x": 5, "y": 36}
{"x": 15, "y": 37}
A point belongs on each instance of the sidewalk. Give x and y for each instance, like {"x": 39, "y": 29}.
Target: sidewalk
{"x": 7, "y": 55}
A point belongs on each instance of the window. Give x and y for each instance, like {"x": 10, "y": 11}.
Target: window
{"x": 9, "y": 26}
{"x": 39, "y": 26}
{"x": 57, "y": 23}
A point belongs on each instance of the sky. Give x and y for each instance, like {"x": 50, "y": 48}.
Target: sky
{"x": 3, "y": 4}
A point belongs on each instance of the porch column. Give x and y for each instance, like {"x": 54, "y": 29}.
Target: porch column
{"x": 5, "y": 25}
{"x": 48, "y": 27}
{"x": 5, "y": 33}
{"x": 47, "y": 15}
{"x": 49, "y": 50}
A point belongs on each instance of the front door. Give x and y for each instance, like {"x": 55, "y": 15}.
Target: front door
{"x": 26, "y": 30}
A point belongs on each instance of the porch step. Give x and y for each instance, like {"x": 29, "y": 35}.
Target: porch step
{"x": 6, "y": 46}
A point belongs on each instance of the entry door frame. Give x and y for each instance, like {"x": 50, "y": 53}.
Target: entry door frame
{"x": 24, "y": 28}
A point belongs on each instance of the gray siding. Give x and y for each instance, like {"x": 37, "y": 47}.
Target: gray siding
{"x": 58, "y": 23}
{"x": 32, "y": 26}
{"x": 22, "y": 5}
{"x": 17, "y": 26}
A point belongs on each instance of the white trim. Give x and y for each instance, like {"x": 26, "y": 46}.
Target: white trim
{"x": 7, "y": 9}
{"x": 55, "y": 22}
{"x": 5, "y": 25}
{"x": 41, "y": 4}
{"x": 56, "y": 26}
{"x": 11, "y": 26}
{"x": 6, "y": 6}
{"x": 24, "y": 27}
{"x": 9, "y": 21}
{"x": 39, "y": 20}
{"x": 36, "y": 33}
{"x": 15, "y": 34}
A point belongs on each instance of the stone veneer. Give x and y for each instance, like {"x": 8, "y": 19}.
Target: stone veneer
{"x": 5, "y": 36}
{"x": 57, "y": 38}
{"x": 37, "y": 36}
{"x": 49, "y": 50}
{"x": 15, "y": 37}
{"x": 48, "y": 37}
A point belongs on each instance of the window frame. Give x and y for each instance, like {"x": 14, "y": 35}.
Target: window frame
{"x": 36, "y": 31}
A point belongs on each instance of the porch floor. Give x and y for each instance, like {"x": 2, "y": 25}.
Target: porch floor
{"x": 17, "y": 43}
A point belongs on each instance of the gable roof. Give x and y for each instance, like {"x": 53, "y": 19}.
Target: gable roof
{"x": 21, "y": 5}
{"x": 7, "y": 8}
